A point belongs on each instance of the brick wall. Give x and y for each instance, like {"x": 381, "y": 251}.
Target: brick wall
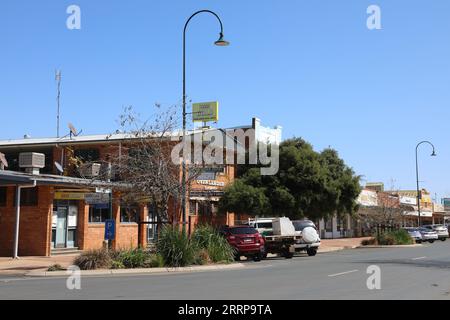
{"x": 35, "y": 225}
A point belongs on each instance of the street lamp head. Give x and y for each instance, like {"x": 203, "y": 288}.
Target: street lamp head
{"x": 221, "y": 42}
{"x": 434, "y": 154}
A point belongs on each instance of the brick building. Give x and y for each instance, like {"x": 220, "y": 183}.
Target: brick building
{"x": 62, "y": 211}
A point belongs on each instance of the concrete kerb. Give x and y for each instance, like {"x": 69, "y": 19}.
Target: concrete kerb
{"x": 137, "y": 271}
{"x": 392, "y": 246}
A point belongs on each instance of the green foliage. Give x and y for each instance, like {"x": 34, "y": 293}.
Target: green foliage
{"x": 132, "y": 258}
{"x": 155, "y": 261}
{"x": 240, "y": 197}
{"x": 117, "y": 265}
{"x": 217, "y": 248}
{"x": 397, "y": 237}
{"x": 175, "y": 247}
{"x": 390, "y": 238}
{"x": 93, "y": 259}
{"x": 308, "y": 183}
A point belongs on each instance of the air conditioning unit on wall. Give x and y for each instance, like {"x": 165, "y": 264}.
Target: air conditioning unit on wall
{"x": 32, "y": 161}
{"x": 90, "y": 170}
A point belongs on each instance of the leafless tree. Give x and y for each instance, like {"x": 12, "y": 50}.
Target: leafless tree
{"x": 143, "y": 164}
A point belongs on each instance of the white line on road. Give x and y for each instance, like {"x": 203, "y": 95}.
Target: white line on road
{"x": 418, "y": 258}
{"x": 342, "y": 273}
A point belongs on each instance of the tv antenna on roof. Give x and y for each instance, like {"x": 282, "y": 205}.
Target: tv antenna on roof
{"x": 58, "y": 80}
{"x": 73, "y": 131}
{"x": 3, "y": 162}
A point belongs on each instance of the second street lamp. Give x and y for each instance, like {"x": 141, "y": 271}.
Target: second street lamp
{"x": 222, "y": 43}
{"x": 419, "y": 197}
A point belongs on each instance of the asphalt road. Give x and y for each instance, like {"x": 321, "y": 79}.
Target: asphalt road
{"x": 406, "y": 273}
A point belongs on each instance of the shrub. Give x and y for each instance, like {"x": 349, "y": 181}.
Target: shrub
{"x": 202, "y": 257}
{"x": 117, "y": 265}
{"x": 369, "y": 242}
{"x": 175, "y": 247}
{"x": 396, "y": 237}
{"x": 132, "y": 258}
{"x": 93, "y": 259}
{"x": 155, "y": 261}
{"x": 56, "y": 267}
{"x": 217, "y": 247}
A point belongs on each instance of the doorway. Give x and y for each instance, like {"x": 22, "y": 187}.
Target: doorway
{"x": 64, "y": 224}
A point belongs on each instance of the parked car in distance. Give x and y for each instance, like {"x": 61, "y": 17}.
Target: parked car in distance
{"x": 440, "y": 229}
{"x": 415, "y": 234}
{"x": 247, "y": 241}
{"x": 310, "y": 240}
{"x": 428, "y": 235}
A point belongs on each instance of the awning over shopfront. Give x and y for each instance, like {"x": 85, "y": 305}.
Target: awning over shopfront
{"x": 23, "y": 180}
{"x": 425, "y": 214}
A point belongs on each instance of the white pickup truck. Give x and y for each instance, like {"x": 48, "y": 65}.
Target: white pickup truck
{"x": 285, "y": 237}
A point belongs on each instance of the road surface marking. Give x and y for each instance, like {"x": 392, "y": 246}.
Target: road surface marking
{"x": 342, "y": 273}
{"x": 418, "y": 258}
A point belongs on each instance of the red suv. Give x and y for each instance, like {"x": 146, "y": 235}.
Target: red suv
{"x": 246, "y": 240}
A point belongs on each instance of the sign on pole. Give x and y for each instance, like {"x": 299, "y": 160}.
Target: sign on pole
{"x": 110, "y": 229}
{"x": 205, "y": 111}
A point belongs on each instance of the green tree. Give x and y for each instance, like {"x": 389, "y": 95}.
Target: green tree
{"x": 308, "y": 183}
{"x": 240, "y": 197}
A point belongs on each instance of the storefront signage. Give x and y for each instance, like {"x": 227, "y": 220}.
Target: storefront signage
{"x": 211, "y": 183}
{"x": 97, "y": 198}
{"x": 69, "y": 195}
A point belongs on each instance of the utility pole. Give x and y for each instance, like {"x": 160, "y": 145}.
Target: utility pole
{"x": 58, "y": 80}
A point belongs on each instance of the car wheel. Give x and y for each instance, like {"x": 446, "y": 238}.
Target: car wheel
{"x": 237, "y": 257}
{"x": 311, "y": 252}
{"x": 430, "y": 241}
{"x": 257, "y": 257}
{"x": 443, "y": 239}
{"x": 418, "y": 241}
{"x": 288, "y": 255}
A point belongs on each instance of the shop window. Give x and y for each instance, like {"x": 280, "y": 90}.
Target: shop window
{"x": 98, "y": 213}
{"x": 129, "y": 214}
{"x": 28, "y": 197}
{"x": 3, "y": 193}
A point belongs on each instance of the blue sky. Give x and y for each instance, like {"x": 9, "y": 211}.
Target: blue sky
{"x": 311, "y": 66}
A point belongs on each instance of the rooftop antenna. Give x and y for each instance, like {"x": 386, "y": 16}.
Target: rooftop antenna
{"x": 3, "y": 162}
{"x": 73, "y": 132}
{"x": 58, "y": 80}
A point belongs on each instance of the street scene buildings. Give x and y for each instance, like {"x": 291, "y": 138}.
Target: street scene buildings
{"x": 240, "y": 150}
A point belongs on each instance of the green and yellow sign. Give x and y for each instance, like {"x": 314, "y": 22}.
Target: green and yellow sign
{"x": 205, "y": 111}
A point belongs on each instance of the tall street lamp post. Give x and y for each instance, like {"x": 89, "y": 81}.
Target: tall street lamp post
{"x": 220, "y": 42}
{"x": 417, "y": 176}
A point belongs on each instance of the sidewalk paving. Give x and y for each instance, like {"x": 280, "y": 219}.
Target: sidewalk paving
{"x": 328, "y": 245}
{"x": 39, "y": 265}
{"x": 22, "y": 266}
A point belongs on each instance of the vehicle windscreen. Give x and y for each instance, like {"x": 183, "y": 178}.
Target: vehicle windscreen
{"x": 265, "y": 225}
{"x": 300, "y": 225}
{"x": 244, "y": 230}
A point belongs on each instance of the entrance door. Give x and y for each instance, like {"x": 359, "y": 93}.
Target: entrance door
{"x": 61, "y": 227}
